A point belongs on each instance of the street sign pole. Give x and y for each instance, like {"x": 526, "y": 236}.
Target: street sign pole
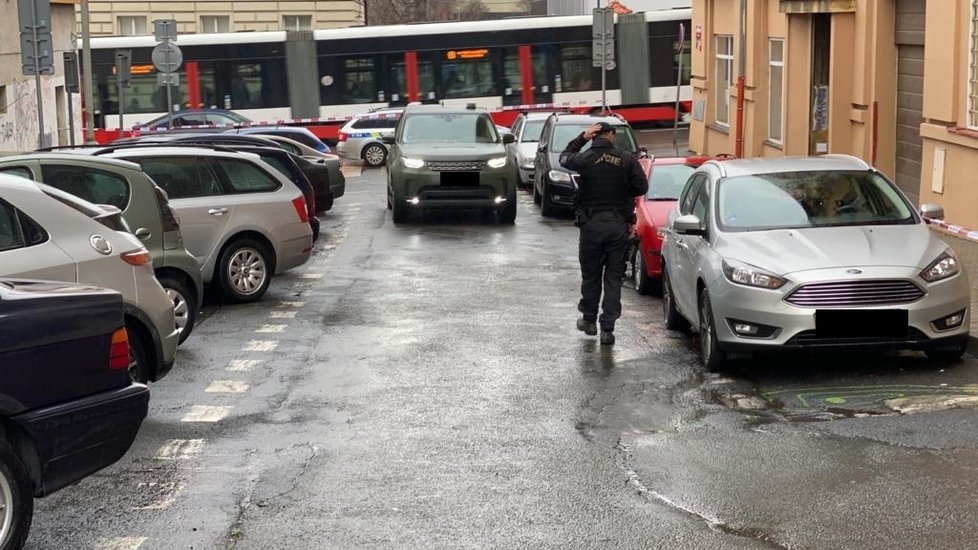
{"x": 87, "y": 80}
{"x": 167, "y": 59}
{"x": 169, "y": 91}
{"x": 71, "y": 85}
{"x": 603, "y": 47}
{"x": 37, "y": 75}
{"x": 681, "y": 50}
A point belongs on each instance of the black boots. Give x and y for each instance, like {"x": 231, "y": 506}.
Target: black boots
{"x": 587, "y": 327}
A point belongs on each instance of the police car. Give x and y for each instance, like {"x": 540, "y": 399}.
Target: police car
{"x": 360, "y": 137}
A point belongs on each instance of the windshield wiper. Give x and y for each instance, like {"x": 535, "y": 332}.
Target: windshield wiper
{"x": 662, "y": 199}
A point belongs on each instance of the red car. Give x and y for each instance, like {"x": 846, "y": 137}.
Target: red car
{"x": 667, "y": 177}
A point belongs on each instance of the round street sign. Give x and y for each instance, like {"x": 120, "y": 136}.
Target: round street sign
{"x": 167, "y": 57}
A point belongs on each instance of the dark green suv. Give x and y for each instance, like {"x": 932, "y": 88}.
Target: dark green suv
{"x": 449, "y": 158}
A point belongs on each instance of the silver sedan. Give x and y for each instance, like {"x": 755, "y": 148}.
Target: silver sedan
{"x": 809, "y": 253}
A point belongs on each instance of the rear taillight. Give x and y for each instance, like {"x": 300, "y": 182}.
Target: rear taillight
{"x": 119, "y": 352}
{"x": 344, "y": 136}
{"x": 301, "y": 209}
{"x": 140, "y": 256}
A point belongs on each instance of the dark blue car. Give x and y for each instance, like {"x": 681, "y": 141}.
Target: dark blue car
{"x": 67, "y": 403}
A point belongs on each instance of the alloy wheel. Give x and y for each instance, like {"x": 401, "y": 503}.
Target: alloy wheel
{"x": 247, "y": 271}
{"x": 706, "y": 330}
{"x": 374, "y": 155}
{"x": 181, "y": 308}
{"x": 6, "y": 509}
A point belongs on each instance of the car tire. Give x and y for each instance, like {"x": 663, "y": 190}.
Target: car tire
{"x": 714, "y": 358}
{"x": 644, "y": 284}
{"x": 536, "y": 195}
{"x": 547, "y": 208}
{"x": 17, "y": 498}
{"x": 139, "y": 365}
{"x": 947, "y": 353}
{"x": 508, "y": 214}
{"x": 244, "y": 271}
{"x": 674, "y": 320}
{"x": 400, "y": 213}
{"x": 374, "y": 155}
{"x": 184, "y": 304}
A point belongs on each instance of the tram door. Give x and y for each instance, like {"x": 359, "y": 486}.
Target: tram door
{"x": 527, "y": 76}
{"x": 412, "y": 78}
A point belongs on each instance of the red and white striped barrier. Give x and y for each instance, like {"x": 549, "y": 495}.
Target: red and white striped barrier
{"x": 953, "y": 229}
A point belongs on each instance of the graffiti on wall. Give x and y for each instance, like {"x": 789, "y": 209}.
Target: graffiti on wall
{"x": 18, "y": 126}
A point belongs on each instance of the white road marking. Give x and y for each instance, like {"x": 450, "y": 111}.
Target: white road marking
{"x": 243, "y": 365}
{"x": 272, "y": 328}
{"x": 311, "y": 276}
{"x": 170, "y": 490}
{"x": 120, "y": 543}
{"x": 261, "y": 345}
{"x": 227, "y": 386}
{"x": 282, "y": 315}
{"x": 180, "y": 449}
{"x": 296, "y": 305}
{"x": 206, "y": 413}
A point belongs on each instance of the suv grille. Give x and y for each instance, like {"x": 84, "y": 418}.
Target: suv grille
{"x": 856, "y": 293}
{"x": 457, "y": 165}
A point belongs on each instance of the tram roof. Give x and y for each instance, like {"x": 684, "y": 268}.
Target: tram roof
{"x": 421, "y": 29}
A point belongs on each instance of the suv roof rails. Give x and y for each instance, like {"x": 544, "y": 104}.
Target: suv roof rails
{"x": 185, "y": 145}
{"x": 54, "y": 148}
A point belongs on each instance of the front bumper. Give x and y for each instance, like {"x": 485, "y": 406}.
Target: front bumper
{"x": 526, "y": 176}
{"x": 794, "y": 327}
{"x": 429, "y": 190}
{"x": 560, "y": 193}
{"x": 80, "y": 437}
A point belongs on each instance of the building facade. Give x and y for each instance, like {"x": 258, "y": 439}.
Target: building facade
{"x": 18, "y": 93}
{"x": 890, "y": 81}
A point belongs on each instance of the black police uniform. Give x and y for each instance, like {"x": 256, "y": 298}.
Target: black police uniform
{"x": 609, "y": 180}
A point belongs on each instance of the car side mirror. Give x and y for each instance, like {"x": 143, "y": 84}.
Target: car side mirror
{"x": 509, "y": 138}
{"x": 541, "y": 148}
{"x": 688, "y": 225}
{"x": 387, "y": 139}
{"x": 932, "y": 211}
{"x": 643, "y": 153}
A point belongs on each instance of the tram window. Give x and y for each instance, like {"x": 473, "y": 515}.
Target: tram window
{"x": 575, "y": 68}
{"x": 252, "y": 85}
{"x": 468, "y": 78}
{"x": 359, "y": 84}
{"x": 398, "y": 81}
{"x": 512, "y": 85}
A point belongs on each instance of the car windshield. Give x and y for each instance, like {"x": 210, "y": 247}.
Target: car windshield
{"x": 531, "y": 132}
{"x": 667, "y": 181}
{"x": 564, "y": 133}
{"x": 449, "y": 128}
{"x": 809, "y": 199}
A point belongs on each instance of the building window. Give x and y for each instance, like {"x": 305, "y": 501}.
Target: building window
{"x": 215, "y": 23}
{"x": 724, "y": 78}
{"x": 3, "y": 100}
{"x": 775, "y": 109}
{"x": 297, "y": 22}
{"x": 132, "y": 25}
{"x": 973, "y": 69}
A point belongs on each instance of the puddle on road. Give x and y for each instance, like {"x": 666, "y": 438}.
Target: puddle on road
{"x": 833, "y": 403}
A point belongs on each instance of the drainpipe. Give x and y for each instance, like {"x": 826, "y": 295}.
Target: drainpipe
{"x": 741, "y": 80}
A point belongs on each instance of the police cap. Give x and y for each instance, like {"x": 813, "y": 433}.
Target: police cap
{"x": 605, "y": 127}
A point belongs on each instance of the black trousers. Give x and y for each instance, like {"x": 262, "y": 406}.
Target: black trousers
{"x": 601, "y": 250}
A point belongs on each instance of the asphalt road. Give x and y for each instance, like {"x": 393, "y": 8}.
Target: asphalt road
{"x": 424, "y": 387}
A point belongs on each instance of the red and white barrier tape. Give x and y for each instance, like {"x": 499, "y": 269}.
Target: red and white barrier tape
{"x": 953, "y": 229}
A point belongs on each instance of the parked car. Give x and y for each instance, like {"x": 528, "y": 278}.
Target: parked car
{"x": 194, "y": 117}
{"x": 553, "y": 186}
{"x": 527, "y": 129}
{"x": 667, "y": 177}
{"x": 241, "y": 218}
{"x": 145, "y": 208}
{"x": 809, "y": 253}
{"x": 68, "y": 405}
{"x": 46, "y": 233}
{"x": 449, "y": 158}
{"x": 298, "y": 133}
{"x": 361, "y": 137}
{"x": 325, "y": 176}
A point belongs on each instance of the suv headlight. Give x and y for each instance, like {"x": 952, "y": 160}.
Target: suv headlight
{"x": 746, "y": 274}
{"x": 498, "y": 162}
{"x": 559, "y": 176}
{"x": 413, "y": 163}
{"x": 946, "y": 265}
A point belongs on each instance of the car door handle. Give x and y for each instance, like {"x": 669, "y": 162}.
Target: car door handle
{"x": 217, "y": 211}
{"x": 681, "y": 244}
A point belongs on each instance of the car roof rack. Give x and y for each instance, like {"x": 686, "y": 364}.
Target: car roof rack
{"x": 110, "y": 148}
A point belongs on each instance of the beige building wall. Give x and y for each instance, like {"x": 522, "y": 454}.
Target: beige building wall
{"x": 18, "y": 93}
{"x": 243, "y": 15}
{"x": 861, "y": 61}
{"x": 950, "y": 139}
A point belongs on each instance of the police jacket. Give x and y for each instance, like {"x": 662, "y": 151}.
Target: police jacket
{"x": 609, "y": 177}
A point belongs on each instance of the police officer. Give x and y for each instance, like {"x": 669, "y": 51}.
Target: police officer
{"x": 609, "y": 180}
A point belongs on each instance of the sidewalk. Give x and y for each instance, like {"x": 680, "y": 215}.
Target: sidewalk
{"x": 967, "y": 250}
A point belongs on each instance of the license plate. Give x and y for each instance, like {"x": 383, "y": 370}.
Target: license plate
{"x": 861, "y": 323}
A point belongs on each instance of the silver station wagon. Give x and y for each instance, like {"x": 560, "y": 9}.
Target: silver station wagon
{"x": 240, "y": 218}
{"x": 809, "y": 253}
